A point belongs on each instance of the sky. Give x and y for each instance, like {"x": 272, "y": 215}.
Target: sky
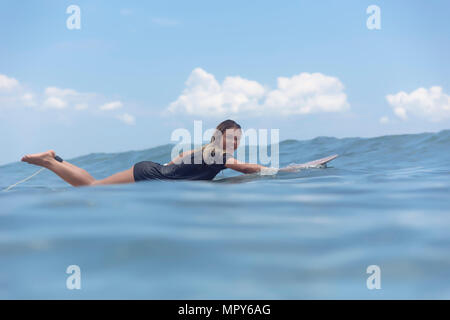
{"x": 135, "y": 71}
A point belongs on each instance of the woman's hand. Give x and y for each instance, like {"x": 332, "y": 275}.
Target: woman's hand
{"x": 243, "y": 167}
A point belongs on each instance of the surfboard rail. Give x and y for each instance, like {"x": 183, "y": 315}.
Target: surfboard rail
{"x": 319, "y": 163}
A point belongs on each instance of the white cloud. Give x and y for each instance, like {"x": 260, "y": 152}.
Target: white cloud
{"x": 58, "y": 98}
{"x": 301, "y": 94}
{"x": 55, "y": 98}
{"x": 308, "y": 93}
{"x": 28, "y": 99}
{"x": 204, "y": 95}
{"x": 431, "y": 104}
{"x": 127, "y": 119}
{"x": 57, "y": 92}
{"x": 55, "y": 103}
{"x": 400, "y": 112}
{"x": 81, "y": 106}
{"x": 384, "y": 120}
{"x": 111, "y": 106}
{"x": 7, "y": 83}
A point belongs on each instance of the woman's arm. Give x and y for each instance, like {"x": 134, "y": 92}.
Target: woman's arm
{"x": 243, "y": 167}
{"x": 177, "y": 159}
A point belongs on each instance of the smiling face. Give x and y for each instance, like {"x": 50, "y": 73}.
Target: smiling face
{"x": 231, "y": 139}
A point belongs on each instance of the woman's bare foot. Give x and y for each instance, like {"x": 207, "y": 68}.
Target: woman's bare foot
{"x": 40, "y": 159}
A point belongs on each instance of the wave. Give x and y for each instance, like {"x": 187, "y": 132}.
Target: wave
{"x": 422, "y": 150}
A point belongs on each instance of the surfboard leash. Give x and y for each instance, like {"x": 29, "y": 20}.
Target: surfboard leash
{"x": 57, "y": 158}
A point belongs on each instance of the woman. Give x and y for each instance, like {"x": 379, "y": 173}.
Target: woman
{"x": 201, "y": 164}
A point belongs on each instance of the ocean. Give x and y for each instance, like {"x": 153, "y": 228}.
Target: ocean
{"x": 310, "y": 234}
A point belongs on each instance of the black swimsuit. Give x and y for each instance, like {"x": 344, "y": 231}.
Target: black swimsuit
{"x": 149, "y": 170}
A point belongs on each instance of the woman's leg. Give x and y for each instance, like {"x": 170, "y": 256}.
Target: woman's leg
{"x": 73, "y": 174}
{"x": 126, "y": 176}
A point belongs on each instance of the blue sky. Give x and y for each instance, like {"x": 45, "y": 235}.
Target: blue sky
{"x": 110, "y": 86}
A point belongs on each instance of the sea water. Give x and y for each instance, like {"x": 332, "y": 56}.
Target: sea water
{"x": 302, "y": 235}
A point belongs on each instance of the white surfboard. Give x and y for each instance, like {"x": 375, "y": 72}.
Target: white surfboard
{"x": 319, "y": 163}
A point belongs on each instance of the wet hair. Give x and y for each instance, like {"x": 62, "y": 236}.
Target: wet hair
{"x": 212, "y": 149}
{"x": 223, "y": 127}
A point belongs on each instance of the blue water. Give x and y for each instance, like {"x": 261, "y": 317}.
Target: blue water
{"x": 310, "y": 234}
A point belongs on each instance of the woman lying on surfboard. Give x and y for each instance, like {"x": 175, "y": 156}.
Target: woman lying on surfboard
{"x": 200, "y": 164}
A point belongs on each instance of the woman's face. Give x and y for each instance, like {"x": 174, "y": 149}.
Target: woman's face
{"x": 231, "y": 139}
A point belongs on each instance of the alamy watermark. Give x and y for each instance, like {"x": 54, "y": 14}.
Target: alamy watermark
{"x": 374, "y": 280}
{"x": 73, "y": 22}
{"x": 374, "y": 20}
{"x": 74, "y": 280}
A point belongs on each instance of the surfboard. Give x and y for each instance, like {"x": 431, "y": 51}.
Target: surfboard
{"x": 319, "y": 163}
